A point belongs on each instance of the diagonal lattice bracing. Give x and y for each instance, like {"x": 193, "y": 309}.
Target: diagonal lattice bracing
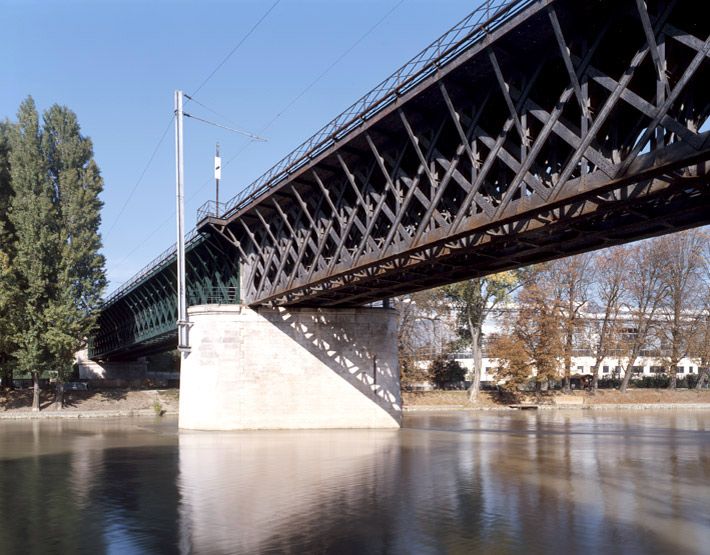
{"x": 561, "y": 101}
{"x": 143, "y": 318}
{"x": 548, "y": 128}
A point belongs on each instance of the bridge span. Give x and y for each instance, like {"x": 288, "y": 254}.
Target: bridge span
{"x": 532, "y": 130}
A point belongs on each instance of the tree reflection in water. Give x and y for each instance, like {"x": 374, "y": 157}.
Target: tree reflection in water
{"x": 553, "y": 482}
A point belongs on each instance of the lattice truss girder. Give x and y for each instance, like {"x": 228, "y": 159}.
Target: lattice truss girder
{"x": 145, "y": 317}
{"x": 572, "y": 110}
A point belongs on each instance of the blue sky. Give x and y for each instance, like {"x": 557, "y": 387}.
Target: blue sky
{"x": 117, "y": 63}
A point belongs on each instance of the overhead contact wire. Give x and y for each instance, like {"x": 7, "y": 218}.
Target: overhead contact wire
{"x": 319, "y": 77}
{"x": 239, "y": 44}
{"x": 140, "y": 178}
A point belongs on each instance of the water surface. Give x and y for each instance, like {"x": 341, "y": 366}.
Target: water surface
{"x": 466, "y": 482}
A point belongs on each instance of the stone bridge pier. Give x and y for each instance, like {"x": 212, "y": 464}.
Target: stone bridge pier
{"x": 279, "y": 368}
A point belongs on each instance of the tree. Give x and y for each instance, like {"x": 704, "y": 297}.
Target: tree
{"x": 682, "y": 309}
{"x": 6, "y": 288}
{"x": 57, "y": 271}
{"x": 701, "y": 348}
{"x": 76, "y": 184}
{"x": 444, "y": 371}
{"x": 33, "y": 216}
{"x": 514, "y": 363}
{"x": 6, "y": 346}
{"x": 474, "y": 300}
{"x": 531, "y": 344}
{"x": 571, "y": 278}
{"x": 701, "y": 339}
{"x": 411, "y": 336}
{"x": 537, "y": 327}
{"x": 610, "y": 273}
{"x": 645, "y": 293}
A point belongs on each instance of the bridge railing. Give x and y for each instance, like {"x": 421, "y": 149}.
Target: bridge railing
{"x": 215, "y": 295}
{"x": 211, "y": 208}
{"x": 191, "y": 238}
{"x": 474, "y": 27}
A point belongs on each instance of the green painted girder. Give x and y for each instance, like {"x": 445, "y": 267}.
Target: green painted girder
{"x": 143, "y": 317}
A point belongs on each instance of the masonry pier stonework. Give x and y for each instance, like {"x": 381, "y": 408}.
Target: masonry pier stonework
{"x": 272, "y": 368}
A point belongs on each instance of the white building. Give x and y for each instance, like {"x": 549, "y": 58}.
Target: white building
{"x": 652, "y": 362}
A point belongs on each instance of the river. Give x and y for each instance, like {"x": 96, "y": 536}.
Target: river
{"x": 464, "y": 482}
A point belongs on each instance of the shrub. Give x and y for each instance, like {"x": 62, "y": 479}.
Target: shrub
{"x": 410, "y": 373}
{"x": 609, "y": 383}
{"x": 158, "y": 408}
{"x": 654, "y": 382}
{"x": 444, "y": 372}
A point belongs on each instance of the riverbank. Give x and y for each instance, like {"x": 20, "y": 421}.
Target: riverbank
{"x": 105, "y": 403}
{"x": 605, "y": 399}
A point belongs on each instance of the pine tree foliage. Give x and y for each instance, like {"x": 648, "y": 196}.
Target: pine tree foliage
{"x": 444, "y": 371}
{"x": 57, "y": 271}
{"x": 33, "y": 216}
{"x": 76, "y": 184}
{"x": 5, "y": 185}
{"x": 6, "y": 345}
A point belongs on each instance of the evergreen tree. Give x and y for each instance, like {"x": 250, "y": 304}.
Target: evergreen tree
{"x": 5, "y": 184}
{"x": 76, "y": 184}
{"x": 6, "y": 348}
{"x": 51, "y": 271}
{"x": 36, "y": 247}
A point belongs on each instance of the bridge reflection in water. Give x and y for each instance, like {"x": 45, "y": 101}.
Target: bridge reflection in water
{"x": 466, "y": 482}
{"x": 555, "y": 482}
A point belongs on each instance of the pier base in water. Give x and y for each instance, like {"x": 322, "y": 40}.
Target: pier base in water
{"x": 284, "y": 368}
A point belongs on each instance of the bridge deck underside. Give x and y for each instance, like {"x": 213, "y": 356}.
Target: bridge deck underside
{"x": 569, "y": 126}
{"x": 572, "y": 126}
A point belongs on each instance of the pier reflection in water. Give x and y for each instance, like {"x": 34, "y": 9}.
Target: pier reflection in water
{"x": 562, "y": 482}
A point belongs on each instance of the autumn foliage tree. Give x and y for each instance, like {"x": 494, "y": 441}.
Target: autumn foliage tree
{"x": 514, "y": 363}
{"x": 681, "y": 311}
{"x": 533, "y": 342}
{"x": 474, "y": 300}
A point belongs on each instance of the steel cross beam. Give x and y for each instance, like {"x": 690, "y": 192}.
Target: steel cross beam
{"x": 142, "y": 319}
{"x": 551, "y": 128}
{"x": 437, "y": 176}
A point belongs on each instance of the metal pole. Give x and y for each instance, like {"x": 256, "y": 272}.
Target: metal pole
{"x": 217, "y": 174}
{"x": 182, "y": 321}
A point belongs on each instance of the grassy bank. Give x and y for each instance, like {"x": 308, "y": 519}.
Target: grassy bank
{"x": 131, "y": 401}
{"x": 488, "y": 399}
{"x": 106, "y": 400}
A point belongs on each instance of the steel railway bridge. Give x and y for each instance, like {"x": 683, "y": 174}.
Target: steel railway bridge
{"x": 532, "y": 130}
